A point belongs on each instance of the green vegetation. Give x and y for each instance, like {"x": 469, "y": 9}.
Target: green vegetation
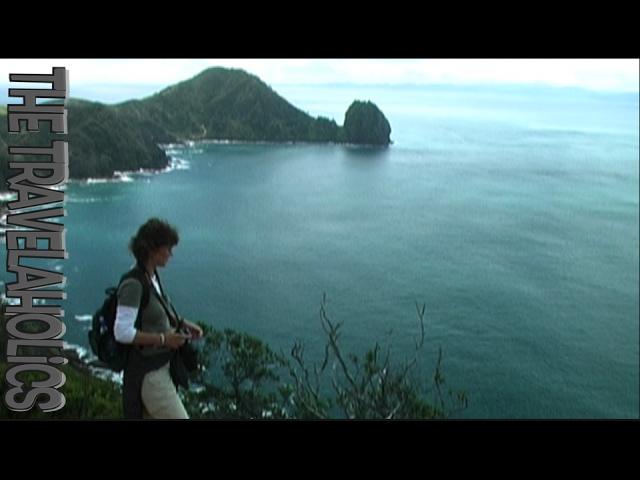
{"x": 100, "y": 142}
{"x": 224, "y": 104}
{"x": 87, "y": 397}
{"x": 243, "y": 378}
{"x": 240, "y": 379}
{"x": 218, "y": 103}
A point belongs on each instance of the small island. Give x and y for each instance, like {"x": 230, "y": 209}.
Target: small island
{"x": 217, "y": 104}
{"x": 364, "y": 123}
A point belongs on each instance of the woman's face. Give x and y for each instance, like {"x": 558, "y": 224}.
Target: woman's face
{"x": 161, "y": 255}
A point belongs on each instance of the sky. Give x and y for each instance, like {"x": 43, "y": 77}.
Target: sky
{"x": 133, "y": 78}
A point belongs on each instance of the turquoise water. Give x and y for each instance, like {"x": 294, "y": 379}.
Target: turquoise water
{"x": 512, "y": 213}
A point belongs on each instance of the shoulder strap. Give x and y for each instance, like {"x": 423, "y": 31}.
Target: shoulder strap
{"x": 164, "y": 301}
{"x": 137, "y": 273}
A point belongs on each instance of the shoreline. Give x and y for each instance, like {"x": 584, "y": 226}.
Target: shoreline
{"x": 82, "y": 360}
{"x": 176, "y": 163}
{"x": 119, "y": 176}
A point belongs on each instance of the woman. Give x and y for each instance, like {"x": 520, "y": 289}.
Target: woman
{"x": 146, "y": 319}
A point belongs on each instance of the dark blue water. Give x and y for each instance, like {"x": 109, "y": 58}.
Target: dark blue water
{"x": 513, "y": 214}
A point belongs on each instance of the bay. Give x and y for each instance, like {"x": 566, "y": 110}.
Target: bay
{"x": 512, "y": 213}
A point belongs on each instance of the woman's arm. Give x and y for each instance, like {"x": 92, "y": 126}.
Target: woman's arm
{"x": 125, "y": 331}
{"x": 124, "y": 328}
{"x": 169, "y": 339}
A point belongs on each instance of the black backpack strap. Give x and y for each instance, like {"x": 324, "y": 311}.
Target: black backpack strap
{"x": 166, "y": 304}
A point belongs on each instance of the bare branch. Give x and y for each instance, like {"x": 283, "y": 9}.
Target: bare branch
{"x": 333, "y": 342}
{"x": 421, "y": 319}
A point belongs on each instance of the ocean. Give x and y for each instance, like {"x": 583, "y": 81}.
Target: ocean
{"x": 512, "y": 213}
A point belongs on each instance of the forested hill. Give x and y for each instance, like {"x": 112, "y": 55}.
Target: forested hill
{"x": 218, "y": 103}
{"x": 229, "y": 104}
{"x": 101, "y": 141}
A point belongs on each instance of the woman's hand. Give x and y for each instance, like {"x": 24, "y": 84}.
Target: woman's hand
{"x": 194, "y": 330}
{"x": 174, "y": 340}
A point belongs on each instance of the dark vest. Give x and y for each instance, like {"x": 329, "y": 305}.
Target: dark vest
{"x": 140, "y": 362}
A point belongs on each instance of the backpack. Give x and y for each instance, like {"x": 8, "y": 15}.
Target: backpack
{"x": 102, "y": 340}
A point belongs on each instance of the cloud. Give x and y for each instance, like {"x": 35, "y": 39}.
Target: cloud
{"x": 596, "y": 74}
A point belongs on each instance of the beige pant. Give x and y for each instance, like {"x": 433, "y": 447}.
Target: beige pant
{"x": 159, "y": 396}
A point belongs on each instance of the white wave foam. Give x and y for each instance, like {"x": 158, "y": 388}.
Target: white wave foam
{"x": 178, "y": 163}
{"x": 92, "y": 181}
{"x": 83, "y": 318}
{"x": 141, "y": 172}
{"x": 118, "y": 177}
{"x": 8, "y": 196}
{"x": 16, "y": 300}
{"x": 74, "y": 199}
{"x": 9, "y": 300}
{"x": 105, "y": 374}
{"x": 87, "y": 358}
{"x": 123, "y": 176}
{"x": 80, "y": 350}
{"x": 169, "y": 146}
{"x": 173, "y": 152}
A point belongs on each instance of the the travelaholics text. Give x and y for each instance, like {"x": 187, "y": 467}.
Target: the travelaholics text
{"x": 38, "y": 173}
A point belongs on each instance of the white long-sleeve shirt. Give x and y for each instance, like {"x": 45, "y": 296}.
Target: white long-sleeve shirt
{"x": 123, "y": 328}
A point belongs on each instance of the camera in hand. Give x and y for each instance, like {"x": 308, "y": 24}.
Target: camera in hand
{"x": 187, "y": 352}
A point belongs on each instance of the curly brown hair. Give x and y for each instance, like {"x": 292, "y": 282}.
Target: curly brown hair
{"x": 155, "y": 233}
